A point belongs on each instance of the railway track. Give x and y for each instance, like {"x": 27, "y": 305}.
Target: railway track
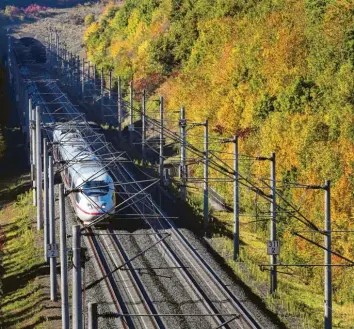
{"x": 211, "y": 303}
{"x": 179, "y": 253}
{"x": 127, "y": 291}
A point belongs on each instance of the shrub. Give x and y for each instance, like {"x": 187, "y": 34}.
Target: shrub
{"x": 89, "y": 19}
{"x": 34, "y": 9}
{"x": 12, "y": 11}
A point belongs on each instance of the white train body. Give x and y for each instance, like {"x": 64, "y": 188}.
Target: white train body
{"x": 84, "y": 172}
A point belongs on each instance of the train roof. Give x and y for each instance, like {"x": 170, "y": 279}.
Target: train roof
{"x": 82, "y": 172}
{"x": 84, "y": 163}
{"x": 72, "y": 146}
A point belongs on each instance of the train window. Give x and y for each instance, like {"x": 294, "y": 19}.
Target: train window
{"x": 77, "y": 197}
{"x": 96, "y": 188}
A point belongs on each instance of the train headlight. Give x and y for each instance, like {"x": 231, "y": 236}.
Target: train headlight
{"x": 104, "y": 206}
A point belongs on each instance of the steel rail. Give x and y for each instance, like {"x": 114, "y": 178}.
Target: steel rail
{"x": 137, "y": 285}
{"x": 110, "y": 283}
{"x": 185, "y": 277}
{"x": 211, "y": 274}
{"x": 150, "y": 307}
{"x": 176, "y": 261}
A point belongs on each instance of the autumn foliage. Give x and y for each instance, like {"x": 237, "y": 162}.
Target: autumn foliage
{"x": 282, "y": 71}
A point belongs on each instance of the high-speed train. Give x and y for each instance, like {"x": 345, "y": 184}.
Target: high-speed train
{"x": 84, "y": 172}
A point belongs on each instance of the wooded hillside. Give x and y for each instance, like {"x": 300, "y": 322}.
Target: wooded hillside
{"x": 279, "y": 73}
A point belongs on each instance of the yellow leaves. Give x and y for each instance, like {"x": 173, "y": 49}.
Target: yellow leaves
{"x": 140, "y": 61}
{"x": 341, "y": 200}
{"x": 160, "y": 23}
{"x": 90, "y": 30}
{"x": 283, "y": 46}
{"x": 119, "y": 48}
{"x": 133, "y": 23}
{"x": 107, "y": 8}
{"x": 338, "y": 17}
{"x": 214, "y": 36}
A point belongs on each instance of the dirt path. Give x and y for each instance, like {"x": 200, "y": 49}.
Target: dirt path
{"x": 68, "y": 21}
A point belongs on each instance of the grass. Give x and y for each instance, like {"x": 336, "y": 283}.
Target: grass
{"x": 22, "y": 303}
{"x": 297, "y": 304}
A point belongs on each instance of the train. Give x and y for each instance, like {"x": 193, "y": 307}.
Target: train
{"x": 94, "y": 193}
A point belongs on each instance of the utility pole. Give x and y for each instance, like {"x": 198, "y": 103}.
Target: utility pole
{"x": 328, "y": 258}
{"x": 119, "y": 103}
{"x": 83, "y": 78}
{"x": 77, "y": 298}
{"x": 206, "y": 176}
{"x": 30, "y": 124}
{"x": 131, "y": 120}
{"x": 110, "y": 85}
{"x": 143, "y": 126}
{"x": 183, "y": 167}
{"x": 63, "y": 51}
{"x": 50, "y": 47}
{"x": 273, "y": 223}
{"x": 102, "y": 91}
{"x": 236, "y": 202}
{"x": 58, "y": 53}
{"x": 39, "y": 169}
{"x": 73, "y": 70}
{"x": 46, "y": 198}
{"x": 26, "y": 123}
{"x": 94, "y": 77}
{"x": 89, "y": 71}
{"x": 53, "y": 260}
{"x": 65, "y": 63}
{"x": 70, "y": 68}
{"x": 78, "y": 77}
{"x": 57, "y": 48}
{"x": 161, "y": 141}
{"x": 54, "y": 47}
{"x": 34, "y": 156}
{"x": 63, "y": 261}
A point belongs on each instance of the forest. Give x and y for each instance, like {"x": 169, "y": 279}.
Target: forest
{"x": 277, "y": 73}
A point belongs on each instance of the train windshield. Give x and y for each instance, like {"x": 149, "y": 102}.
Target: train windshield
{"x": 95, "y": 188}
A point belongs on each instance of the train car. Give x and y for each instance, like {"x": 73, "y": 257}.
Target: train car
{"x": 83, "y": 171}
